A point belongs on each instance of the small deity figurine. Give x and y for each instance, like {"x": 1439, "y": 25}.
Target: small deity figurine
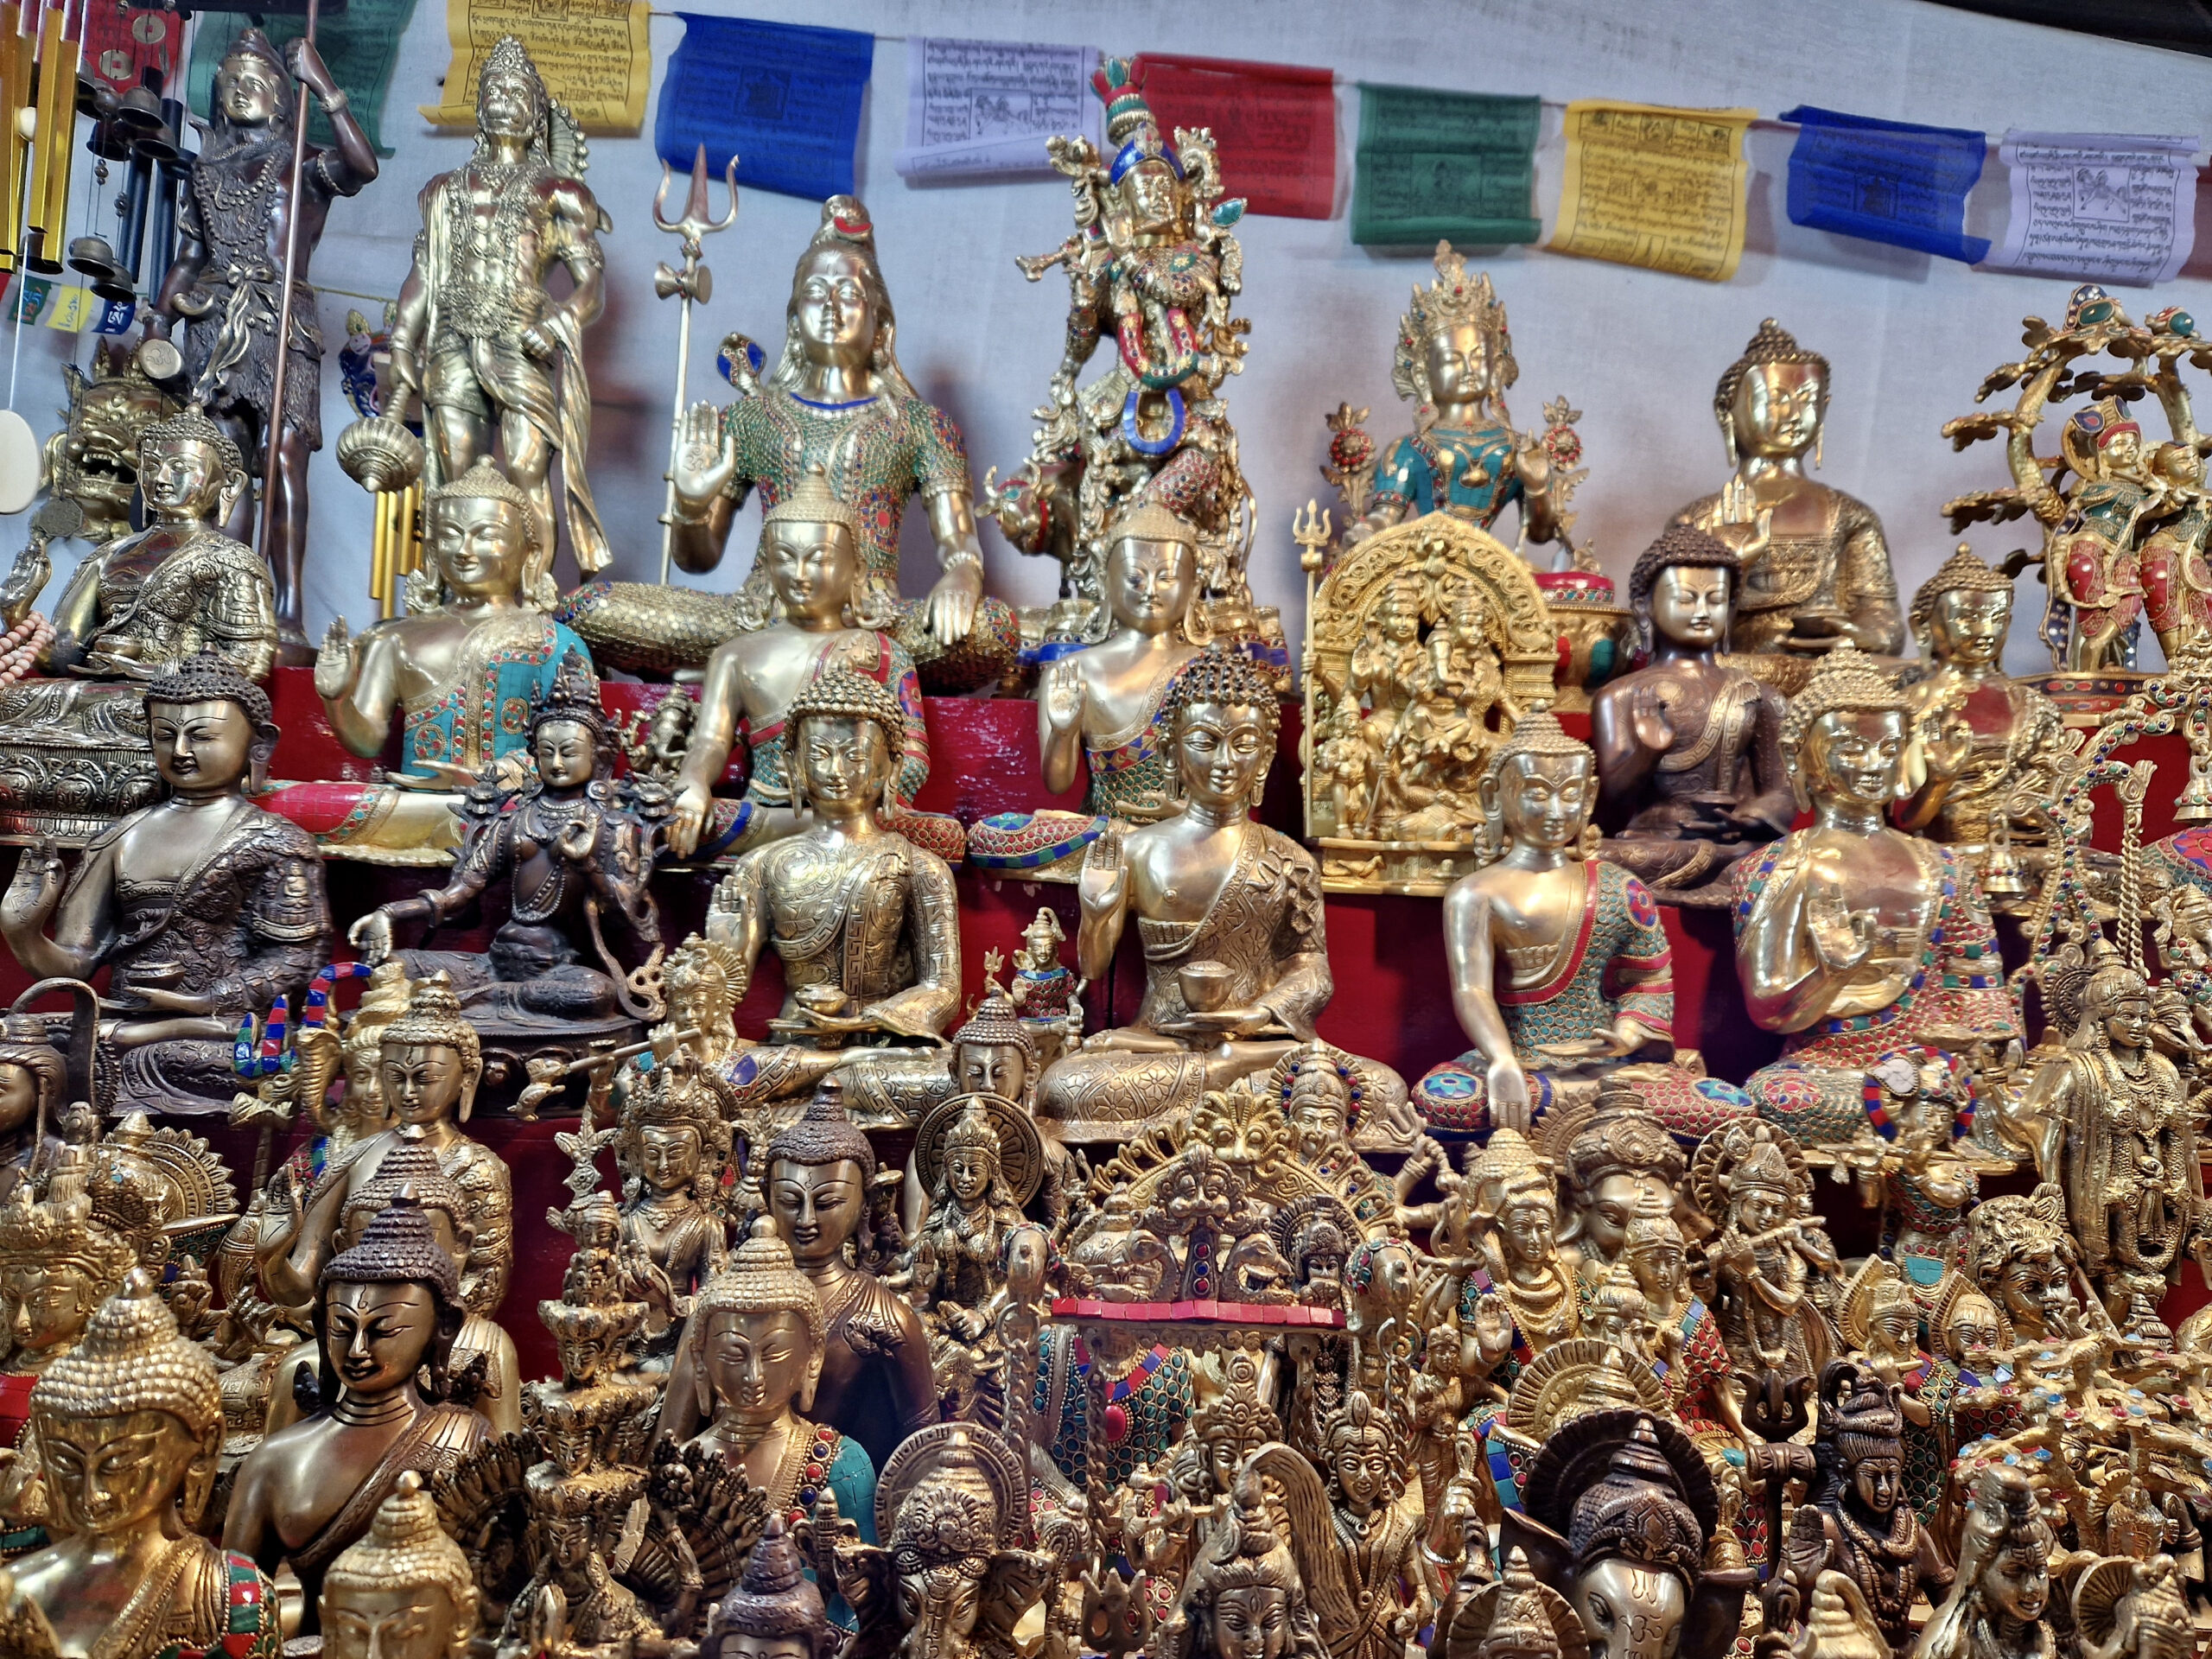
{"x": 1856, "y": 1520}
{"x": 762, "y": 1339}
{"x": 836, "y": 403}
{"x": 32, "y": 1076}
{"x": 1105, "y": 706}
{"x": 2131, "y": 1170}
{"x": 1823, "y": 574}
{"x": 774, "y": 1611}
{"x": 60, "y": 1260}
{"x": 130, "y": 1427}
{"x": 1922, "y": 1185}
{"x": 474, "y": 619}
{"x": 1561, "y": 971}
{"x": 1380, "y": 1526}
{"x": 1996, "y": 1606}
{"x": 202, "y": 908}
{"x": 1245, "y": 1599}
{"x": 1700, "y": 1373}
{"x": 388, "y": 1308}
{"x": 1236, "y": 955}
{"x": 433, "y": 1059}
{"x": 92, "y": 460}
{"x": 1690, "y": 748}
{"x": 673, "y": 1148}
{"x": 1880, "y": 1323}
{"x": 864, "y": 920}
{"x": 1454, "y": 364}
{"x": 405, "y": 1591}
{"x": 577, "y": 850}
{"x": 481, "y": 352}
{"x": 819, "y": 611}
{"x": 1853, "y": 938}
{"x": 1751, "y": 1179}
{"x": 1621, "y": 1166}
{"x": 2024, "y": 1258}
{"x": 1515, "y": 1225}
{"x": 248, "y": 223}
{"x": 1961, "y": 616}
{"x": 1153, "y": 267}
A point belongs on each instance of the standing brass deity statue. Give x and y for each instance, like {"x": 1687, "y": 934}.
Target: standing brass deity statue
{"x": 1690, "y": 748}
{"x": 247, "y": 224}
{"x": 673, "y": 1149}
{"x": 836, "y": 402}
{"x": 1822, "y": 572}
{"x": 481, "y": 352}
{"x": 202, "y": 908}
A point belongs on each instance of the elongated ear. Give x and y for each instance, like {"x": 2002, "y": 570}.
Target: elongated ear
{"x": 1549, "y": 1558}
{"x": 1715, "y": 1612}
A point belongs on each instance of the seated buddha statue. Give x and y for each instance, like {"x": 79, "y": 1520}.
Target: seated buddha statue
{"x": 1689, "y": 749}
{"x": 819, "y": 611}
{"x": 388, "y": 1310}
{"x": 130, "y": 1427}
{"x": 202, "y": 908}
{"x": 76, "y": 744}
{"x": 1852, "y": 938}
{"x": 1103, "y": 706}
{"x": 836, "y": 400}
{"x": 1560, "y": 971}
{"x": 865, "y": 921}
{"x": 2014, "y": 737}
{"x": 463, "y": 668}
{"x": 1824, "y": 573}
{"x": 1236, "y": 951}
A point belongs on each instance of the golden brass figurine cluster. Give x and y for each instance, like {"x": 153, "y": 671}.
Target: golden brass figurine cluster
{"x": 907, "y": 1320}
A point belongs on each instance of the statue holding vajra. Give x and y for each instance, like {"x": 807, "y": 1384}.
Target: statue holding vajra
{"x": 1103, "y": 708}
{"x": 76, "y": 745}
{"x": 1153, "y": 267}
{"x": 1821, "y": 570}
{"x": 202, "y": 908}
{"x": 836, "y": 402}
{"x": 481, "y": 352}
{"x": 1690, "y": 748}
{"x": 474, "y": 621}
{"x": 1852, "y": 938}
{"x": 864, "y": 920}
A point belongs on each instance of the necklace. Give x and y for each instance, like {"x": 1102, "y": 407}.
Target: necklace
{"x": 1115, "y": 1418}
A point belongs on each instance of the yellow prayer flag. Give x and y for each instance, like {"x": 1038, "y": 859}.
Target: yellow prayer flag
{"x": 1654, "y": 187}
{"x": 595, "y": 55}
{"x": 65, "y": 310}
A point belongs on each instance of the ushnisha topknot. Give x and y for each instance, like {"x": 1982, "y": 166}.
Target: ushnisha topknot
{"x": 1964, "y": 572}
{"x": 486, "y": 482}
{"x": 1680, "y": 547}
{"x": 191, "y": 426}
{"x": 134, "y": 1359}
{"x": 1147, "y": 521}
{"x": 434, "y": 1020}
{"x": 1772, "y": 344}
{"x": 398, "y": 1249}
{"x": 210, "y": 678}
{"x": 823, "y": 1135}
{"x": 775, "y": 1597}
{"x": 813, "y": 502}
{"x": 1847, "y": 681}
{"x": 994, "y": 1024}
{"x": 409, "y": 1167}
{"x": 1537, "y": 732}
{"x": 1227, "y": 679}
{"x": 761, "y": 1277}
{"x": 839, "y": 694}
{"x": 405, "y": 1549}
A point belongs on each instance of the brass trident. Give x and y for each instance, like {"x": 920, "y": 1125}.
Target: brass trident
{"x": 696, "y": 283}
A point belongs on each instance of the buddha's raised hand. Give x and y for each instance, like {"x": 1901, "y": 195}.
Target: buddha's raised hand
{"x": 337, "y": 665}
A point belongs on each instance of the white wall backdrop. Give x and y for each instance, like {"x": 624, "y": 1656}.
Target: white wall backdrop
{"x": 1909, "y": 336}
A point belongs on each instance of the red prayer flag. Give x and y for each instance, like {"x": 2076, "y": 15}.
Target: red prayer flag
{"x": 1274, "y": 123}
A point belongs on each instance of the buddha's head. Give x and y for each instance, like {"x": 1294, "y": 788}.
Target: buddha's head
{"x": 1542, "y": 786}
{"x": 483, "y": 538}
{"x": 846, "y": 734}
{"x": 211, "y": 726}
{"x": 189, "y": 469}
{"x": 432, "y": 1058}
{"x": 412, "y": 1169}
{"x": 252, "y": 86}
{"x": 1846, "y": 736}
{"x": 762, "y": 1333}
{"x": 1153, "y": 582}
{"x": 1770, "y": 401}
{"x": 1962, "y": 613}
{"x": 994, "y": 1052}
{"x": 1682, "y": 589}
{"x": 1222, "y": 713}
{"x": 820, "y": 1173}
{"x": 510, "y": 96}
{"x": 131, "y": 1420}
{"x": 1453, "y": 346}
{"x": 404, "y": 1592}
{"x": 59, "y": 1262}
{"x": 568, "y": 729}
{"x": 388, "y": 1307}
{"x": 33, "y": 1075}
{"x": 839, "y": 313}
{"x": 774, "y": 1611}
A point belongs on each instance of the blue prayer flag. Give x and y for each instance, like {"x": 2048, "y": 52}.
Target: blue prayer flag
{"x": 783, "y": 99}
{"x": 1886, "y": 181}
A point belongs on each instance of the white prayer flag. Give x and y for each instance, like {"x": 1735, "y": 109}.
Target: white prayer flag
{"x": 983, "y": 109}
{"x": 2112, "y": 207}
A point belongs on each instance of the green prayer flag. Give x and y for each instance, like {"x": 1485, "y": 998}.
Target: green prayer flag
{"x": 1436, "y": 164}
{"x": 359, "y": 44}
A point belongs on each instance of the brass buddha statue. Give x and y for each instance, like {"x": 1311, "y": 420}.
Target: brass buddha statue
{"x": 1852, "y": 938}
{"x": 1690, "y": 748}
{"x": 1101, "y": 710}
{"x": 404, "y": 1592}
{"x": 1824, "y": 572}
{"x": 864, "y": 920}
{"x": 387, "y": 1309}
{"x": 130, "y": 1425}
{"x": 774, "y": 1611}
{"x": 836, "y": 402}
{"x": 475, "y": 620}
{"x": 202, "y": 908}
